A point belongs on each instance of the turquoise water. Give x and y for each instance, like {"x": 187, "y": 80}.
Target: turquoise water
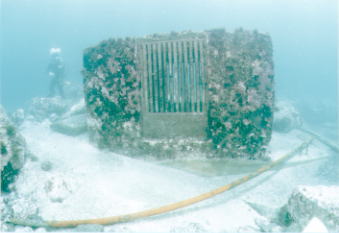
{"x": 304, "y": 37}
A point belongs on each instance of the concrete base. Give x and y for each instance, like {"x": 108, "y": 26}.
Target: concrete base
{"x": 167, "y": 125}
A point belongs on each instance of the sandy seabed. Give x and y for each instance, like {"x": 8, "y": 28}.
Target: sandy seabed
{"x": 70, "y": 178}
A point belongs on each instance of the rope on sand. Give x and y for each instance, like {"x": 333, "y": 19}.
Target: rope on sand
{"x": 321, "y": 139}
{"x": 165, "y": 208}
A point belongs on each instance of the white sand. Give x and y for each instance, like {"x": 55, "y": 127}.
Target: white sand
{"x": 85, "y": 182}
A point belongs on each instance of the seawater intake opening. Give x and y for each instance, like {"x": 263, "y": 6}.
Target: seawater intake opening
{"x": 173, "y": 77}
{"x": 173, "y": 82}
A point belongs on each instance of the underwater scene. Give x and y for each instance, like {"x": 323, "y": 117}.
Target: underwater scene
{"x": 169, "y": 116}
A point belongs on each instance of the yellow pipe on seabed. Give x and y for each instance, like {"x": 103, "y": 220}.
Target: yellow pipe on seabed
{"x": 161, "y": 209}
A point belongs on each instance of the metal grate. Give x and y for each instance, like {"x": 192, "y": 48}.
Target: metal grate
{"x": 173, "y": 76}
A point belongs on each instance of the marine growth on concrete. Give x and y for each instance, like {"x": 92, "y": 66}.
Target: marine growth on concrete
{"x": 210, "y": 91}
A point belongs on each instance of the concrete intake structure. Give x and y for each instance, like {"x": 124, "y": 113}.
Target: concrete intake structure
{"x": 213, "y": 86}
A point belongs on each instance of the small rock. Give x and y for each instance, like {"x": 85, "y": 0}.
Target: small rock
{"x": 18, "y": 116}
{"x": 57, "y": 189}
{"x": 23, "y": 229}
{"x": 42, "y": 108}
{"x": 40, "y": 229}
{"x": 46, "y": 166}
{"x": 89, "y": 228}
{"x": 286, "y": 117}
{"x": 24, "y": 207}
{"x": 73, "y": 125}
{"x": 189, "y": 227}
{"x": 6, "y": 227}
{"x": 32, "y": 157}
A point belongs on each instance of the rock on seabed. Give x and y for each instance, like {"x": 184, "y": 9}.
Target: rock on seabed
{"x": 286, "y": 117}
{"x": 13, "y": 151}
{"x": 307, "y": 202}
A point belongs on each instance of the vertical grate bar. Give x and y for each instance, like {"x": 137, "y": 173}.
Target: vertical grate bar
{"x": 175, "y": 76}
{"x": 191, "y": 46}
{"x": 189, "y": 63}
{"x": 179, "y": 76}
{"x": 159, "y": 80}
{"x": 170, "y": 75}
{"x": 183, "y": 77}
{"x": 191, "y": 83}
{"x": 187, "y": 80}
{"x": 169, "y": 87}
{"x": 201, "y": 74}
{"x": 200, "y": 78}
{"x": 154, "y": 79}
{"x": 150, "y": 78}
{"x": 187, "y": 74}
{"x": 145, "y": 80}
{"x": 164, "y": 75}
{"x": 196, "y": 78}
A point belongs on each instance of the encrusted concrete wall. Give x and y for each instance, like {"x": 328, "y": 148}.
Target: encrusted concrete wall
{"x": 239, "y": 85}
{"x": 112, "y": 91}
{"x": 240, "y": 92}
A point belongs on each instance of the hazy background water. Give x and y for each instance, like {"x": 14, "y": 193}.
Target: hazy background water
{"x": 304, "y": 34}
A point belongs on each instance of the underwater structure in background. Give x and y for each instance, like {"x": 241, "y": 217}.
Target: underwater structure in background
{"x": 210, "y": 91}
